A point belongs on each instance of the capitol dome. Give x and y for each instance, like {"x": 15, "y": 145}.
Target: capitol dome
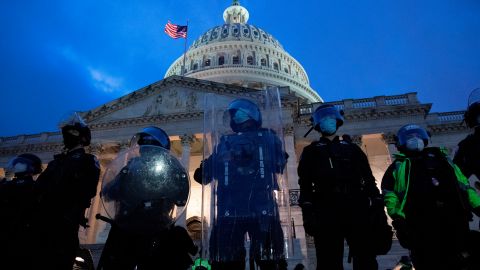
{"x": 243, "y": 54}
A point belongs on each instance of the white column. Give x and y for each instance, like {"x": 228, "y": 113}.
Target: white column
{"x": 186, "y": 141}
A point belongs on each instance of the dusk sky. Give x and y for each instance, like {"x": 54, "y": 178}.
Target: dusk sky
{"x": 59, "y": 56}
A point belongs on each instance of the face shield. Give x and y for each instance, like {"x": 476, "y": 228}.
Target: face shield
{"x": 412, "y": 131}
{"x": 240, "y": 111}
{"x": 151, "y": 136}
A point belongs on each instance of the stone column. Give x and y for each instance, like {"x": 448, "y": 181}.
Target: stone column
{"x": 91, "y": 233}
{"x": 295, "y": 222}
{"x": 186, "y": 141}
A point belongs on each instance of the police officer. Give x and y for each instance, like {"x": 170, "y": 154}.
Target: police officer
{"x": 145, "y": 191}
{"x": 468, "y": 154}
{"x": 429, "y": 201}
{"x": 245, "y": 165}
{"x": 337, "y": 189}
{"x": 17, "y": 205}
{"x": 64, "y": 190}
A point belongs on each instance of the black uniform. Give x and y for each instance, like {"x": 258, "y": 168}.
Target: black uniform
{"x": 245, "y": 166}
{"x": 65, "y": 190}
{"x": 435, "y": 227}
{"x": 336, "y": 184}
{"x": 17, "y": 204}
{"x": 468, "y": 155}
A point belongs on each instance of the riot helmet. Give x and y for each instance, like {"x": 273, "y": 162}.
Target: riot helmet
{"x": 25, "y": 164}
{"x": 244, "y": 115}
{"x": 151, "y": 136}
{"x": 327, "y": 119}
{"x": 412, "y": 138}
{"x": 472, "y": 115}
{"x": 75, "y": 131}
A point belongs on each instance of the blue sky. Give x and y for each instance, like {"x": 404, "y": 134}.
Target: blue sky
{"x": 58, "y": 56}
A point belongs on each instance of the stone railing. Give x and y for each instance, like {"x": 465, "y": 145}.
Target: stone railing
{"x": 349, "y": 104}
{"x": 446, "y": 117}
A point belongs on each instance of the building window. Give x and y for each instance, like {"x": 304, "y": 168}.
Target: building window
{"x": 195, "y": 66}
{"x": 275, "y": 66}
{"x": 207, "y": 62}
{"x": 263, "y": 62}
{"x": 236, "y": 60}
{"x": 286, "y": 70}
{"x": 250, "y": 60}
{"x": 221, "y": 60}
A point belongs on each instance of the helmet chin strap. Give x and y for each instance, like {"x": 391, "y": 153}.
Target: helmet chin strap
{"x": 308, "y": 132}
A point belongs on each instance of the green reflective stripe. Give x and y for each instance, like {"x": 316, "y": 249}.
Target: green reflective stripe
{"x": 395, "y": 201}
{"x": 473, "y": 197}
{"x": 201, "y": 262}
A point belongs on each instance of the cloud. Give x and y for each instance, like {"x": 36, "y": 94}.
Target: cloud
{"x": 100, "y": 79}
{"x": 105, "y": 82}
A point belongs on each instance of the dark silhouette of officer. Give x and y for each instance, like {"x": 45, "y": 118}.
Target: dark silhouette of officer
{"x": 337, "y": 190}
{"x": 17, "y": 205}
{"x": 64, "y": 191}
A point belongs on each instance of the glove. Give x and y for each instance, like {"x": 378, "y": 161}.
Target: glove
{"x": 400, "y": 225}
{"x": 198, "y": 173}
{"x": 309, "y": 219}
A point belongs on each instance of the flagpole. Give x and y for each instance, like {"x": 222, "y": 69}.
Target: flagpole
{"x": 185, "y": 51}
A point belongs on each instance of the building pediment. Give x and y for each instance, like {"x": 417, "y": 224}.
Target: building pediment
{"x": 172, "y": 98}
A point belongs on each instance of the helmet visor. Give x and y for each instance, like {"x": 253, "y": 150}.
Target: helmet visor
{"x": 411, "y": 131}
{"x": 331, "y": 112}
{"x": 247, "y": 107}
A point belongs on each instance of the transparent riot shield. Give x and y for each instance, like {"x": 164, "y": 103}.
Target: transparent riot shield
{"x": 245, "y": 197}
{"x": 143, "y": 187}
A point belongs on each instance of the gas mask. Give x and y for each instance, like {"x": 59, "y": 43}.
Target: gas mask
{"x": 415, "y": 144}
{"x": 328, "y": 126}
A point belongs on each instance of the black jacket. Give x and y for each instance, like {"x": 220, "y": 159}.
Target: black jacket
{"x": 337, "y": 167}
{"x": 468, "y": 155}
{"x": 67, "y": 185}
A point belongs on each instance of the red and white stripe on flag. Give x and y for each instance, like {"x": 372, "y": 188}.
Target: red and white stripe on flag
{"x": 176, "y": 31}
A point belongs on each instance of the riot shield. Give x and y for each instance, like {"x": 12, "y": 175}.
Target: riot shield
{"x": 143, "y": 187}
{"x": 245, "y": 205}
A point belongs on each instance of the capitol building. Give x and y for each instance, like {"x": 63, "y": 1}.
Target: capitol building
{"x": 234, "y": 60}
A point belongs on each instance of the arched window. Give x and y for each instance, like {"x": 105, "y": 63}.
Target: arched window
{"x": 263, "y": 62}
{"x": 275, "y": 66}
{"x": 195, "y": 66}
{"x": 250, "y": 60}
{"x": 207, "y": 62}
{"x": 286, "y": 70}
{"x": 221, "y": 60}
{"x": 236, "y": 60}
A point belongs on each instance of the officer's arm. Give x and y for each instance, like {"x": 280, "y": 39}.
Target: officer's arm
{"x": 91, "y": 177}
{"x": 366, "y": 173}
{"x": 305, "y": 180}
{"x": 473, "y": 197}
{"x": 461, "y": 159}
{"x": 42, "y": 182}
{"x": 391, "y": 199}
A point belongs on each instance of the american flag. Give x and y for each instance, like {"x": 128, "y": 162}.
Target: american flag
{"x": 176, "y": 31}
